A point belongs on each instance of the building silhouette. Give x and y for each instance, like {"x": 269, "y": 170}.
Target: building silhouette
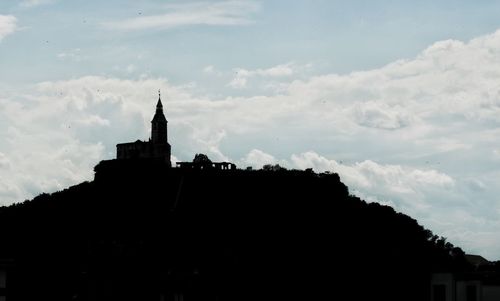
{"x": 201, "y": 161}
{"x": 157, "y": 147}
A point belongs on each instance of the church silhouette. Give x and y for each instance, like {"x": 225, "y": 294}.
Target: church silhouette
{"x": 157, "y": 147}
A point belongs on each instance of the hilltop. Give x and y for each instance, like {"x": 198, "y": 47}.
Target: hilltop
{"x": 144, "y": 231}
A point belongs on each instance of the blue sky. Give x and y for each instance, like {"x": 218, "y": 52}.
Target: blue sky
{"x": 402, "y": 99}
{"x": 339, "y": 36}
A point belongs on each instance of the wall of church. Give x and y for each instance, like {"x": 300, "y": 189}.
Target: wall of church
{"x": 143, "y": 150}
{"x": 133, "y": 150}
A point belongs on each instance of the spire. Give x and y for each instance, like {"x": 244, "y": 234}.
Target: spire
{"x": 159, "y": 105}
{"x": 159, "y": 110}
{"x": 159, "y": 124}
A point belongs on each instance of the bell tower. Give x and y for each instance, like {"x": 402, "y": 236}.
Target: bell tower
{"x": 156, "y": 148}
{"x": 159, "y": 124}
{"x": 159, "y": 146}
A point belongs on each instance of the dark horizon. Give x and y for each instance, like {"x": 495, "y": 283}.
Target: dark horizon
{"x": 143, "y": 229}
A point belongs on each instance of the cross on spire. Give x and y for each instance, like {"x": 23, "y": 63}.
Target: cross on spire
{"x": 159, "y": 105}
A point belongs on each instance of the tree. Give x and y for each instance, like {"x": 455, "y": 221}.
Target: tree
{"x": 201, "y": 159}
{"x": 270, "y": 167}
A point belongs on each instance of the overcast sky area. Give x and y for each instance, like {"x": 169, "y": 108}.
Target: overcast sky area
{"x": 400, "y": 98}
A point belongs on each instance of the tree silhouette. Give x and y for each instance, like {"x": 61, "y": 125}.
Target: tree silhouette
{"x": 141, "y": 231}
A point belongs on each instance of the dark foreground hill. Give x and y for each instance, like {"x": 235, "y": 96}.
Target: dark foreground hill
{"x": 141, "y": 231}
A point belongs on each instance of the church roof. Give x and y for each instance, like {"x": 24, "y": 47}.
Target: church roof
{"x": 135, "y": 142}
{"x": 159, "y": 116}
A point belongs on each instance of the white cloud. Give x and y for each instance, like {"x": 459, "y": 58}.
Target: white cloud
{"x": 131, "y": 68}
{"x": 34, "y": 3}
{"x": 93, "y": 120}
{"x": 380, "y": 115}
{"x": 209, "y": 69}
{"x": 392, "y": 182}
{"x": 238, "y": 82}
{"x": 4, "y": 161}
{"x": 201, "y": 13}
{"x": 209, "y": 141}
{"x": 73, "y": 54}
{"x": 276, "y": 71}
{"x": 8, "y": 25}
{"x": 242, "y": 75}
{"x": 257, "y": 158}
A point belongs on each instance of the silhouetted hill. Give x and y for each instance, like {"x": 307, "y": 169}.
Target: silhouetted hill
{"x": 141, "y": 231}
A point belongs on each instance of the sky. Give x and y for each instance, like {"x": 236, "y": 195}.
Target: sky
{"x": 400, "y": 98}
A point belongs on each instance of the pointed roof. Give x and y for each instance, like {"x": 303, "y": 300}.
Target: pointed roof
{"x": 159, "y": 105}
{"x": 159, "y": 116}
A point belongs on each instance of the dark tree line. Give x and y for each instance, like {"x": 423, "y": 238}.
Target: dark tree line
{"x": 141, "y": 231}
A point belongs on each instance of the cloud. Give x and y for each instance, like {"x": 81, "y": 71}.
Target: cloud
{"x": 238, "y": 82}
{"x": 93, "y": 120}
{"x": 73, "y": 54}
{"x": 386, "y": 182}
{"x": 34, "y": 3}
{"x": 223, "y": 13}
{"x": 8, "y": 25}
{"x": 131, "y": 68}
{"x": 4, "y": 161}
{"x": 209, "y": 69}
{"x": 242, "y": 75}
{"x": 257, "y": 158}
{"x": 276, "y": 71}
{"x": 380, "y": 115}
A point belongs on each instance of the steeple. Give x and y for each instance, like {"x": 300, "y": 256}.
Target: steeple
{"x": 159, "y": 105}
{"x": 156, "y": 148}
{"x": 159, "y": 124}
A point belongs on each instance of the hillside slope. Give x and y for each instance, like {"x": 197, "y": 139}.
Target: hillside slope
{"x": 141, "y": 231}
